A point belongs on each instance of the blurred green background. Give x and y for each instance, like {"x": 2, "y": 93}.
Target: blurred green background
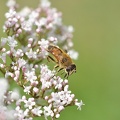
{"x": 97, "y": 39}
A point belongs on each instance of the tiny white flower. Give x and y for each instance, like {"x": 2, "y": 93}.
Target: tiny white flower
{"x": 27, "y": 89}
{"x": 37, "y": 111}
{"x": 43, "y": 45}
{"x": 33, "y": 16}
{"x": 15, "y": 95}
{"x": 41, "y": 22}
{"x": 3, "y": 41}
{"x": 17, "y": 73}
{"x": 25, "y": 11}
{"x": 66, "y": 88}
{"x": 34, "y": 83}
{"x": 45, "y": 3}
{"x": 11, "y": 41}
{"x": 57, "y": 115}
{"x": 2, "y": 65}
{"x": 21, "y": 62}
{"x": 3, "y": 50}
{"x": 35, "y": 89}
{"x": 53, "y": 39}
{"x": 79, "y": 104}
{"x": 60, "y": 108}
{"x": 30, "y": 40}
{"x": 30, "y": 76}
{"x": 3, "y": 57}
{"x": 23, "y": 98}
{"x": 3, "y": 88}
{"x": 15, "y": 20}
{"x": 27, "y": 25}
{"x": 73, "y": 54}
{"x": 10, "y": 14}
{"x": 11, "y": 3}
{"x": 59, "y": 83}
{"x": 18, "y": 53}
{"x": 29, "y": 103}
{"x": 26, "y": 112}
{"x": 19, "y": 113}
{"x": 48, "y": 111}
{"x": 7, "y": 74}
{"x": 8, "y": 52}
{"x": 31, "y": 54}
{"x": 56, "y": 99}
{"x": 70, "y": 29}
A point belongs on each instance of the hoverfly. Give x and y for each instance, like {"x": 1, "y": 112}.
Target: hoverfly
{"x": 62, "y": 60}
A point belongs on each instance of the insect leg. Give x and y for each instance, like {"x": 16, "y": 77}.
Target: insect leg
{"x": 66, "y": 75}
{"x": 63, "y": 72}
{"x": 50, "y": 58}
{"x": 60, "y": 69}
{"x": 56, "y": 66}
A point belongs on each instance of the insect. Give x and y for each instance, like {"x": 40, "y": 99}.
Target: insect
{"x": 62, "y": 60}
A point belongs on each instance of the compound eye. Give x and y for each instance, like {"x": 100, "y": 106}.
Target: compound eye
{"x": 73, "y": 67}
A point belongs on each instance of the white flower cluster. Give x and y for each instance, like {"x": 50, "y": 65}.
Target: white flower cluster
{"x": 6, "y": 99}
{"x": 22, "y": 60}
{"x": 47, "y": 99}
{"x": 29, "y": 26}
